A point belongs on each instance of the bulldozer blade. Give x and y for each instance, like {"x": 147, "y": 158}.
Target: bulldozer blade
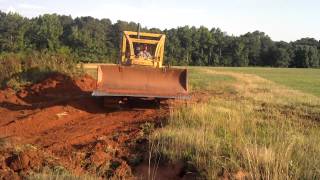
{"x": 141, "y": 81}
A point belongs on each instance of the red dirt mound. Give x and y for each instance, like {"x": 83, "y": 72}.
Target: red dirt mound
{"x": 59, "y": 117}
{"x": 58, "y": 86}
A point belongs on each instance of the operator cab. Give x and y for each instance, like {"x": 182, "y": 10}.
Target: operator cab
{"x": 140, "y": 48}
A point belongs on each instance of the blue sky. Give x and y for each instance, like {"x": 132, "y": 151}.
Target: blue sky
{"x": 286, "y": 20}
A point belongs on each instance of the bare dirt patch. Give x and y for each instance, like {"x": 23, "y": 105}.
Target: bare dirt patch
{"x": 69, "y": 128}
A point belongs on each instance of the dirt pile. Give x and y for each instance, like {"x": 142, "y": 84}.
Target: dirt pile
{"x": 58, "y": 86}
{"x": 69, "y": 128}
{"x": 18, "y": 160}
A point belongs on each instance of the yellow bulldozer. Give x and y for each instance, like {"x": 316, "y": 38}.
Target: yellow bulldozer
{"x": 140, "y": 71}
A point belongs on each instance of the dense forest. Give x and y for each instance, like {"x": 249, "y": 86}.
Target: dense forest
{"x": 97, "y": 40}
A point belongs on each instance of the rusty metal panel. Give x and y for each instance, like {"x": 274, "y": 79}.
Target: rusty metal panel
{"x": 141, "y": 81}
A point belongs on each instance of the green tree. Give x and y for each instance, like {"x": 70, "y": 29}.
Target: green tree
{"x": 219, "y": 45}
{"x": 301, "y": 58}
{"x": 313, "y": 56}
{"x": 185, "y": 38}
{"x": 279, "y": 57}
{"x": 172, "y": 48}
{"x": 44, "y": 32}
{"x": 12, "y": 29}
{"x": 254, "y": 45}
{"x": 239, "y": 53}
{"x": 93, "y": 40}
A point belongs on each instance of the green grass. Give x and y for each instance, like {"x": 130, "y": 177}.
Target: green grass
{"x": 257, "y": 127}
{"x": 199, "y": 82}
{"x": 306, "y": 80}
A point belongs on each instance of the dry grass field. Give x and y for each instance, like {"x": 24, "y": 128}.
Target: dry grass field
{"x": 245, "y": 126}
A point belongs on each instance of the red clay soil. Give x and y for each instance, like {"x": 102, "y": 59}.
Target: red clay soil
{"x": 56, "y": 123}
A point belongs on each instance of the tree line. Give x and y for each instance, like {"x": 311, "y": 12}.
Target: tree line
{"x": 98, "y": 40}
